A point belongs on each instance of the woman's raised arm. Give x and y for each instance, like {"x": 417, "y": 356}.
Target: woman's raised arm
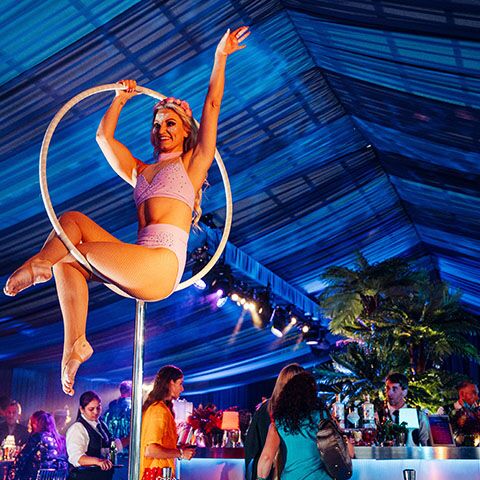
{"x": 118, "y": 155}
{"x": 204, "y": 151}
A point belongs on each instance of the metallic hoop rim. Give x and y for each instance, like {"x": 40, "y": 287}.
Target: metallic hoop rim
{"x": 53, "y": 217}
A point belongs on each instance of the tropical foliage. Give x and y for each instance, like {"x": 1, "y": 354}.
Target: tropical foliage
{"x": 394, "y": 318}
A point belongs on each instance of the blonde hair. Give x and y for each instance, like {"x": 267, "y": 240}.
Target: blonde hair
{"x": 188, "y": 144}
{"x": 286, "y": 373}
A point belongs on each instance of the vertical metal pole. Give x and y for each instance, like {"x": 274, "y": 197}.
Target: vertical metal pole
{"x": 137, "y": 392}
{"x": 178, "y": 474}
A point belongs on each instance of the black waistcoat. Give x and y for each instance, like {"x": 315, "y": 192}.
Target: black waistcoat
{"x": 96, "y": 442}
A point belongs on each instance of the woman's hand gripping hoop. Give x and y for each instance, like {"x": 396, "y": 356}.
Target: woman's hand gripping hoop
{"x": 53, "y": 217}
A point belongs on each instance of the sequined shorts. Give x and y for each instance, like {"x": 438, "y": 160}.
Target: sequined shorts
{"x": 166, "y": 236}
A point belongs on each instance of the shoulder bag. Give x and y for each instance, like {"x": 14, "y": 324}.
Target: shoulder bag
{"x": 333, "y": 450}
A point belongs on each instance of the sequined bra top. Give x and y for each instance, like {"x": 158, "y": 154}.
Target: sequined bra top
{"x": 170, "y": 181}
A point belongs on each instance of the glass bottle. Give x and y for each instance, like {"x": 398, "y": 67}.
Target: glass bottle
{"x": 113, "y": 452}
{"x": 368, "y": 412}
{"x": 338, "y": 411}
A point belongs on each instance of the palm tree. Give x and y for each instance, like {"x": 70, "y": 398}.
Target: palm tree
{"x": 360, "y": 300}
{"x": 431, "y": 324}
{"x": 355, "y": 369}
{"x": 400, "y": 320}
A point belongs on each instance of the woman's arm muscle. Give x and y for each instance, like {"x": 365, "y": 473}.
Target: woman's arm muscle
{"x": 204, "y": 151}
{"x": 272, "y": 444}
{"x": 155, "y": 450}
{"x": 117, "y": 154}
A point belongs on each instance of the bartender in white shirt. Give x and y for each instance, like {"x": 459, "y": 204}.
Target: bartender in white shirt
{"x": 396, "y": 390}
{"x": 89, "y": 440}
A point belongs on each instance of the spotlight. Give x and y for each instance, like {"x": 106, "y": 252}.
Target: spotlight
{"x": 200, "y": 257}
{"x": 221, "y": 301}
{"x": 319, "y": 345}
{"x": 235, "y": 297}
{"x": 278, "y": 321}
{"x": 316, "y": 337}
{"x": 263, "y": 306}
{"x": 305, "y": 328}
{"x": 310, "y": 337}
{"x": 222, "y": 280}
{"x": 293, "y": 321}
{"x": 200, "y": 284}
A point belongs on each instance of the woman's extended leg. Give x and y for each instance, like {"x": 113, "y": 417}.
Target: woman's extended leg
{"x": 72, "y": 289}
{"x": 71, "y": 282}
{"x": 142, "y": 272}
{"x": 37, "y": 269}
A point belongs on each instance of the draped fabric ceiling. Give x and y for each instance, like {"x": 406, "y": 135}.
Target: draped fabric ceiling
{"x": 345, "y": 126}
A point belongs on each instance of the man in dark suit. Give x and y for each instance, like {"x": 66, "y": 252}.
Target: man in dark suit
{"x": 12, "y": 425}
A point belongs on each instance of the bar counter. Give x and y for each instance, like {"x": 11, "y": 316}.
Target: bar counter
{"x": 430, "y": 463}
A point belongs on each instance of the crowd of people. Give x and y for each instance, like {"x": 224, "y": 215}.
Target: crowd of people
{"x": 87, "y": 442}
{"x": 280, "y": 442}
{"x": 85, "y": 450}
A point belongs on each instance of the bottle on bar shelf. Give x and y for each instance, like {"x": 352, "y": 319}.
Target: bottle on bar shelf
{"x": 368, "y": 411}
{"x": 113, "y": 452}
{"x": 167, "y": 473}
{"x": 338, "y": 411}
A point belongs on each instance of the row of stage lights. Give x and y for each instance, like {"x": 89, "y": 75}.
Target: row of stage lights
{"x": 220, "y": 286}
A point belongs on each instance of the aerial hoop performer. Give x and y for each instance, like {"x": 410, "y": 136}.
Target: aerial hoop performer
{"x": 167, "y": 194}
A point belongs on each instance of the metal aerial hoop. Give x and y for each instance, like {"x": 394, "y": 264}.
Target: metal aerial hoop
{"x": 137, "y": 380}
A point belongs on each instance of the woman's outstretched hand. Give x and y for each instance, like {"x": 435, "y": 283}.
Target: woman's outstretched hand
{"x": 230, "y": 42}
{"x": 130, "y": 90}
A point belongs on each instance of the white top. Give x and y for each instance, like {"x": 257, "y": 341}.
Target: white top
{"x": 77, "y": 440}
{"x": 423, "y": 426}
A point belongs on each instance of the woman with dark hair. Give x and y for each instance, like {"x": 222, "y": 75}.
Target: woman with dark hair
{"x": 296, "y": 416}
{"x": 158, "y": 444}
{"x": 45, "y": 448}
{"x": 257, "y": 432}
{"x": 167, "y": 197}
{"x": 89, "y": 440}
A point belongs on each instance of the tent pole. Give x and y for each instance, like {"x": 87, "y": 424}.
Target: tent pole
{"x": 137, "y": 392}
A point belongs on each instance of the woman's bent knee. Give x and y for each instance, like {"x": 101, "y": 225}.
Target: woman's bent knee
{"x": 69, "y": 265}
{"x": 72, "y": 216}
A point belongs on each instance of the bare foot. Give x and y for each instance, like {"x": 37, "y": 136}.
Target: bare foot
{"x": 36, "y": 271}
{"x": 81, "y": 351}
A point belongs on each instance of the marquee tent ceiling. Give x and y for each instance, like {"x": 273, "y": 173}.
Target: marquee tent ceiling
{"x": 345, "y": 126}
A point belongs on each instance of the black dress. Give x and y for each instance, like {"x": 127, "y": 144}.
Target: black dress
{"x": 256, "y": 437}
{"x": 41, "y": 451}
